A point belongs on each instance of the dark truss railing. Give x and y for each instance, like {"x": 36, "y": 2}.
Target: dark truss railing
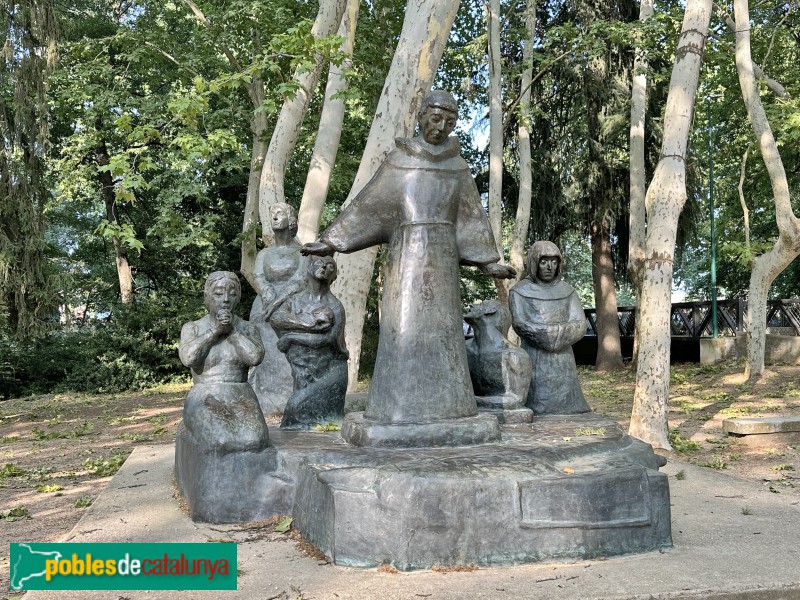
{"x": 692, "y": 320}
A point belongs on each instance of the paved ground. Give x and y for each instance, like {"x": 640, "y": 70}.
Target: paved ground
{"x": 733, "y": 540}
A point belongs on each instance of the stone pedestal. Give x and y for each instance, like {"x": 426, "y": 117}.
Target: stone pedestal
{"x": 535, "y": 496}
{"x": 563, "y": 487}
{"x": 466, "y": 431}
{"x": 507, "y": 408}
{"x": 228, "y": 487}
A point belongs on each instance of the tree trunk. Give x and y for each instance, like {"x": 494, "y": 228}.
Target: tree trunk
{"x": 258, "y": 126}
{"x": 124, "y": 273}
{"x": 769, "y": 265}
{"x": 609, "y": 350}
{"x": 523, "y": 217}
{"x": 638, "y": 175}
{"x": 328, "y": 136}
{"x": 422, "y": 41}
{"x": 664, "y": 201}
{"x": 496, "y": 137}
{"x": 290, "y": 119}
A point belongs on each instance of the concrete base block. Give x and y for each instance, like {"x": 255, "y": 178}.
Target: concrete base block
{"x": 233, "y": 487}
{"x": 530, "y": 498}
{"x": 778, "y": 349}
{"x": 466, "y": 431}
{"x": 764, "y": 431}
{"x": 544, "y": 492}
{"x": 714, "y": 350}
{"x": 510, "y": 416}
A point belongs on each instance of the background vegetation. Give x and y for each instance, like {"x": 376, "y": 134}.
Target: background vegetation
{"x": 126, "y": 144}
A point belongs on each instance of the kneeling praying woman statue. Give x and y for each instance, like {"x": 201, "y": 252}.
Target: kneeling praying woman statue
{"x": 221, "y": 412}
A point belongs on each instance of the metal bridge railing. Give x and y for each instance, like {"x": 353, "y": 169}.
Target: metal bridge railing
{"x": 693, "y": 319}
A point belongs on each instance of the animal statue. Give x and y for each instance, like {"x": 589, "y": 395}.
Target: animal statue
{"x": 500, "y": 373}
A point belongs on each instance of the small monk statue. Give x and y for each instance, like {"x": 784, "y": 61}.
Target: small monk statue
{"x": 221, "y": 412}
{"x": 547, "y": 316}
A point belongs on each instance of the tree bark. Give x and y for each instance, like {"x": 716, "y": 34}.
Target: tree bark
{"x": 290, "y": 120}
{"x": 258, "y": 125}
{"x": 523, "y": 217}
{"x": 422, "y": 41}
{"x": 330, "y": 131}
{"x": 609, "y": 349}
{"x": 664, "y": 201}
{"x": 496, "y": 137}
{"x": 638, "y": 182}
{"x": 124, "y": 272}
{"x": 767, "y": 266}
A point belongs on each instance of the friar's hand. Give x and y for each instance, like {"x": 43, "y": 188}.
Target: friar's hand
{"x": 316, "y": 248}
{"x": 499, "y": 271}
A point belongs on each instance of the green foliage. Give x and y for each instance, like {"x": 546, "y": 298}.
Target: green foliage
{"x": 48, "y": 488}
{"x": 680, "y": 475}
{"x": 15, "y": 514}
{"x": 716, "y": 462}
{"x": 11, "y": 470}
{"x": 105, "y": 467}
{"x": 284, "y": 525}
{"x": 84, "y": 502}
{"x": 328, "y": 427}
{"x": 681, "y": 444}
{"x": 590, "y": 431}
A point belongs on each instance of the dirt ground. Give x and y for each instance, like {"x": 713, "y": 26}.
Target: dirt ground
{"x": 60, "y": 451}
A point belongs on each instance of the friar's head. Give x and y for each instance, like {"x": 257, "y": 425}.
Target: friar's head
{"x": 544, "y": 262}
{"x": 437, "y": 117}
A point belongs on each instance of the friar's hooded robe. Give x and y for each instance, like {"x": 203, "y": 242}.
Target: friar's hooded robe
{"x": 423, "y": 202}
{"x": 548, "y": 318}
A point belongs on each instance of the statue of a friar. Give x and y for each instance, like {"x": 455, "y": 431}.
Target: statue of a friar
{"x": 424, "y": 203}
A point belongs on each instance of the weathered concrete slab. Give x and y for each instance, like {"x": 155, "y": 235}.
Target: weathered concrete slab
{"x": 764, "y": 431}
{"x": 718, "y": 553}
{"x": 778, "y": 349}
{"x": 757, "y": 425}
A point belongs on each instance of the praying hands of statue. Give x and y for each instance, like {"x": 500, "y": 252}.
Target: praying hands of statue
{"x": 317, "y": 249}
{"x": 499, "y": 271}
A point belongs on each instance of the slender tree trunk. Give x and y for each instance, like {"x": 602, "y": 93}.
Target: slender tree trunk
{"x": 422, "y": 41}
{"x": 767, "y": 266}
{"x": 609, "y": 350}
{"x": 664, "y": 202}
{"x": 496, "y": 138}
{"x": 124, "y": 273}
{"x": 258, "y": 125}
{"x": 290, "y": 119}
{"x": 523, "y": 217}
{"x": 638, "y": 183}
{"x": 328, "y": 136}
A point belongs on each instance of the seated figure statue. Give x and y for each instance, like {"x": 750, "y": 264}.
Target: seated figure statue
{"x": 547, "y": 316}
{"x": 500, "y": 373}
{"x": 221, "y": 412}
{"x": 310, "y": 329}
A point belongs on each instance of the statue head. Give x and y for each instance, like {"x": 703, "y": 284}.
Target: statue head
{"x": 323, "y": 268}
{"x": 437, "y": 116}
{"x": 222, "y": 292}
{"x": 544, "y": 262}
{"x": 283, "y": 217}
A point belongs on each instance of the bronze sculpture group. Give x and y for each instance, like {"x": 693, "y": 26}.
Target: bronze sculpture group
{"x": 424, "y": 204}
{"x": 494, "y": 500}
